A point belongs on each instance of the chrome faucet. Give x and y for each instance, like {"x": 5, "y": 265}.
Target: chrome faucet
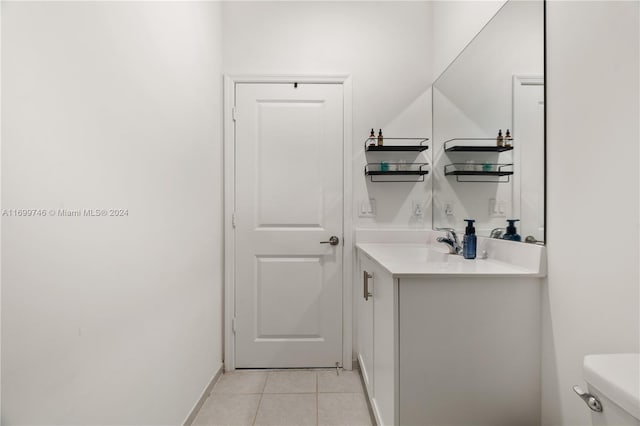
{"x": 450, "y": 240}
{"x": 497, "y": 233}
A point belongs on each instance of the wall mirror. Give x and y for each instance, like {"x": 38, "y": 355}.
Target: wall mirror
{"x": 496, "y": 83}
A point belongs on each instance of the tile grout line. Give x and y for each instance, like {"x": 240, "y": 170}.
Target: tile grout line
{"x": 317, "y": 375}
{"x": 255, "y": 416}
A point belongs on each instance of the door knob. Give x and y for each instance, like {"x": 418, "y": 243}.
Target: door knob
{"x": 333, "y": 240}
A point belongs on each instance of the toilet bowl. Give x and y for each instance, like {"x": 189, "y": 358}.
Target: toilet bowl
{"x": 614, "y": 381}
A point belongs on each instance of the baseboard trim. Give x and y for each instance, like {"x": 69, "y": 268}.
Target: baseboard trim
{"x": 367, "y": 397}
{"x": 203, "y": 397}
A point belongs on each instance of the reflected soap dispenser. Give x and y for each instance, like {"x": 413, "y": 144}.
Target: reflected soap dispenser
{"x": 470, "y": 240}
{"x": 512, "y": 233}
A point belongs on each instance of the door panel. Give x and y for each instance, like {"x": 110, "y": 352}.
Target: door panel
{"x": 289, "y": 144}
{"x": 296, "y": 295}
{"x": 284, "y": 129}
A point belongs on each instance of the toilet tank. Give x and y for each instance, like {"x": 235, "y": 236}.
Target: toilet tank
{"x": 614, "y": 379}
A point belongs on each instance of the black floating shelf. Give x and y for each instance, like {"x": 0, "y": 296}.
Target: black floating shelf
{"x": 469, "y": 148}
{"x": 477, "y": 173}
{"x": 412, "y": 148}
{"x": 474, "y": 145}
{"x": 397, "y": 172}
{"x": 371, "y": 144}
{"x": 417, "y": 170}
{"x": 496, "y": 170}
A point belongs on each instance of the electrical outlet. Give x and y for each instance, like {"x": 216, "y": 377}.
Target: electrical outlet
{"x": 497, "y": 208}
{"x": 367, "y": 208}
{"x": 417, "y": 207}
{"x": 448, "y": 209}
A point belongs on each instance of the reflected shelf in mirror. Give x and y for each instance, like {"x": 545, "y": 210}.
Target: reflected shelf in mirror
{"x": 474, "y": 145}
{"x": 498, "y": 170}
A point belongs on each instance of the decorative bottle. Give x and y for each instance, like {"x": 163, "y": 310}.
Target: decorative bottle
{"x": 508, "y": 140}
{"x": 470, "y": 240}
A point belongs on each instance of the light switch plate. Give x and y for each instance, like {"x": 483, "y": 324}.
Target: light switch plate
{"x": 448, "y": 209}
{"x": 497, "y": 208}
{"x": 367, "y": 208}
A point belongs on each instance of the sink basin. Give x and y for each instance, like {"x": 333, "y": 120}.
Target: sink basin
{"x": 421, "y": 253}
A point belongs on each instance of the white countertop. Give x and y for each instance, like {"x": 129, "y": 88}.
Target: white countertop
{"x": 406, "y": 259}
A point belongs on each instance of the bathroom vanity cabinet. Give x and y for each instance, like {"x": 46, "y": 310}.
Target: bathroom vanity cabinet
{"x": 453, "y": 343}
{"x": 377, "y": 342}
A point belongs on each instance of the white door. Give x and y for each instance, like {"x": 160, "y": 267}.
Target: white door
{"x": 289, "y": 199}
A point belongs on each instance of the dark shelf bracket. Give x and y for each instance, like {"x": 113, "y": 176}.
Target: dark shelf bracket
{"x": 418, "y": 172}
{"x": 499, "y": 180}
{"x": 419, "y": 145}
{"x": 475, "y": 148}
{"x": 451, "y": 170}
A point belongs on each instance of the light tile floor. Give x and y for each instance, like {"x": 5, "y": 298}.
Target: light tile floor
{"x": 313, "y": 397}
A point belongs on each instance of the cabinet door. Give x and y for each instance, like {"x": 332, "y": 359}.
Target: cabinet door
{"x": 365, "y": 321}
{"x": 384, "y": 346}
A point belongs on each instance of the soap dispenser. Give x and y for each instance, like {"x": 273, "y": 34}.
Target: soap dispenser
{"x": 470, "y": 240}
{"x": 512, "y": 233}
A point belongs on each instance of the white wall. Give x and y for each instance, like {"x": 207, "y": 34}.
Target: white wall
{"x": 110, "y": 320}
{"x": 590, "y": 302}
{"x": 454, "y": 25}
{"x": 384, "y": 46}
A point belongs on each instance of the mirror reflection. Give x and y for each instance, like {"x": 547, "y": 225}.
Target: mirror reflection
{"x": 488, "y": 129}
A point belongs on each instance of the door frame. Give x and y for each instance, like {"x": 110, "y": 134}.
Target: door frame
{"x": 229, "y": 161}
{"x": 519, "y": 80}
